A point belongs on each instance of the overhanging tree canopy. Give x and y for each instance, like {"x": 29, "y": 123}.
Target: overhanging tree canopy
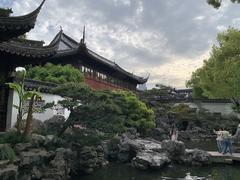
{"x": 219, "y": 77}
{"x": 217, "y": 3}
{"x": 107, "y": 111}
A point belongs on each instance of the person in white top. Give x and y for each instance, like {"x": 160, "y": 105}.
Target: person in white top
{"x": 219, "y": 139}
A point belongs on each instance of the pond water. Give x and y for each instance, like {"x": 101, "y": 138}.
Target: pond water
{"x": 209, "y": 145}
{"x": 126, "y": 172}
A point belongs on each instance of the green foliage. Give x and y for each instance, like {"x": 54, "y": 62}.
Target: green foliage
{"x": 55, "y": 73}
{"x": 217, "y": 3}
{"x": 77, "y": 92}
{"x": 107, "y": 111}
{"x": 85, "y": 137}
{"x": 114, "y": 112}
{"x": 219, "y": 77}
{"x": 236, "y": 108}
{"x": 161, "y": 91}
{"x": 138, "y": 115}
{"x": 7, "y": 153}
{"x": 185, "y": 115}
{"x": 183, "y": 110}
{"x": 23, "y": 96}
{"x": 13, "y": 137}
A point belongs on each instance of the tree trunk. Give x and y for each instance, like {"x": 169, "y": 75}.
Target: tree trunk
{"x": 19, "y": 117}
{"x": 18, "y": 123}
{"x": 70, "y": 121}
{"x": 28, "y": 126}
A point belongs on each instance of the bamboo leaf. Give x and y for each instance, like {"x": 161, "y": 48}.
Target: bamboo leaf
{"x": 15, "y": 87}
{"x": 15, "y": 106}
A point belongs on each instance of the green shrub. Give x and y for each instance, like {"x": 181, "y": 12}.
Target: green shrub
{"x": 55, "y": 73}
{"x": 87, "y": 137}
{"x": 13, "y": 137}
{"x": 110, "y": 112}
{"x": 7, "y": 153}
{"x": 183, "y": 110}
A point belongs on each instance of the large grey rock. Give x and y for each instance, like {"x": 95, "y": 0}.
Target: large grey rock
{"x": 149, "y": 144}
{"x": 124, "y": 156}
{"x": 89, "y": 158}
{"x": 160, "y": 134}
{"x": 37, "y": 125}
{"x": 36, "y": 173}
{"x": 127, "y": 144}
{"x": 131, "y": 133}
{"x": 196, "y": 157}
{"x": 42, "y": 164}
{"x": 34, "y": 157}
{"x": 22, "y": 147}
{"x": 60, "y": 166}
{"x": 175, "y": 149}
{"x": 49, "y": 140}
{"x": 128, "y": 148}
{"x": 111, "y": 148}
{"x": 140, "y": 149}
{"x": 101, "y": 160}
{"x": 54, "y": 124}
{"x": 38, "y": 140}
{"x": 9, "y": 172}
{"x": 4, "y": 163}
{"x": 153, "y": 160}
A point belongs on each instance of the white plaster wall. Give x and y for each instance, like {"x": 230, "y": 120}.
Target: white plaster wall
{"x": 223, "y": 108}
{"x": 48, "y": 98}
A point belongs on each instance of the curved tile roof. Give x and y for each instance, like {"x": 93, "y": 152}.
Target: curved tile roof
{"x": 115, "y": 66}
{"x": 28, "y": 48}
{"x": 11, "y": 27}
{"x": 72, "y": 47}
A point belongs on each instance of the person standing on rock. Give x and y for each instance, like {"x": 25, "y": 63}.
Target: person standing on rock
{"x": 219, "y": 139}
{"x": 174, "y": 135}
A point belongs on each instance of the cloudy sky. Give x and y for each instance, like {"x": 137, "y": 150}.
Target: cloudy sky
{"x": 166, "y": 38}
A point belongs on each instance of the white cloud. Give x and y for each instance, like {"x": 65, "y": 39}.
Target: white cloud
{"x": 199, "y": 18}
{"x": 168, "y": 39}
{"x": 236, "y": 22}
{"x": 221, "y": 28}
{"x": 176, "y": 72}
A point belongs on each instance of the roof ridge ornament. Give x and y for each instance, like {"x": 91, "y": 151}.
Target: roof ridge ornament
{"x": 5, "y": 12}
{"x": 84, "y": 34}
{"x": 82, "y": 44}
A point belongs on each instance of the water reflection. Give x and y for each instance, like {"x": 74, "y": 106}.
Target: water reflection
{"x": 126, "y": 172}
{"x": 188, "y": 177}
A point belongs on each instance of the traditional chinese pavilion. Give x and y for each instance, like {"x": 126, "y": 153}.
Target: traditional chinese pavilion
{"x": 99, "y": 72}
